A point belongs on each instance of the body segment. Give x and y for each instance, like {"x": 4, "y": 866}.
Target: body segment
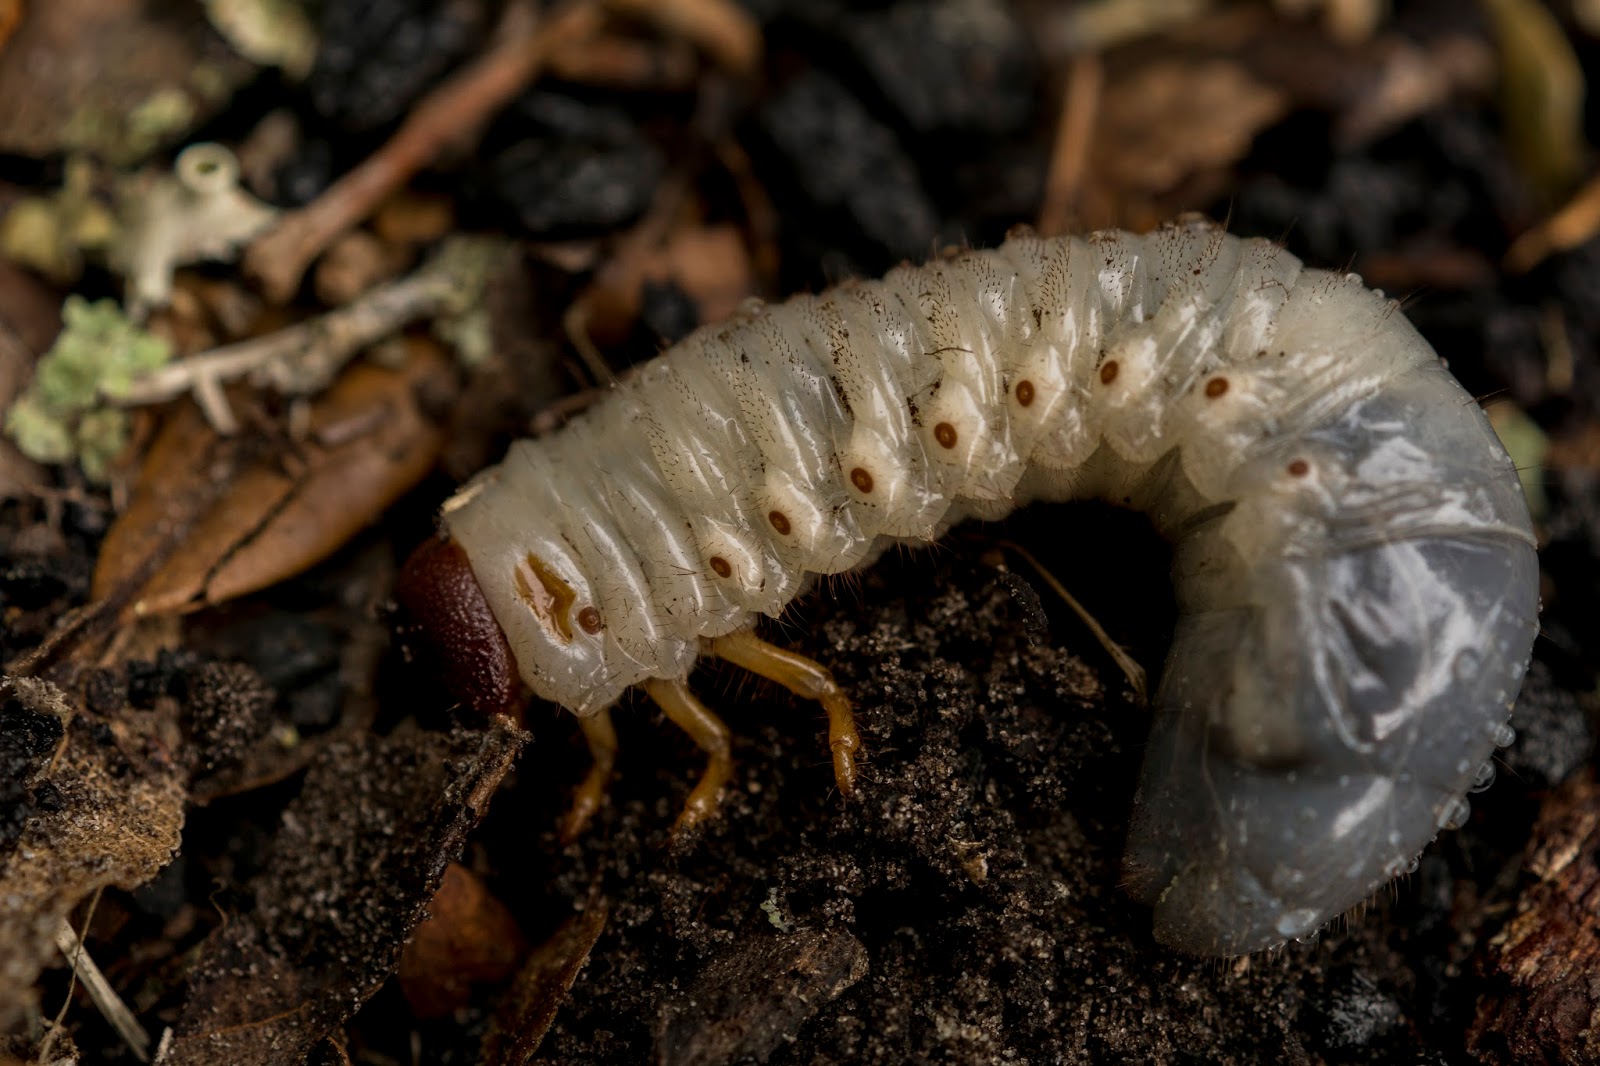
{"x": 1354, "y": 562}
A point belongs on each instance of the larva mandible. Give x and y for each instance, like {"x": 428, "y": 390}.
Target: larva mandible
{"x": 1353, "y": 556}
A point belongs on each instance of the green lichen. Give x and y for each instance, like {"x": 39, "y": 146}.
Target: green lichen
{"x": 53, "y": 233}
{"x": 102, "y": 434}
{"x": 1527, "y": 445}
{"x": 40, "y": 434}
{"x": 774, "y": 911}
{"x": 62, "y": 415}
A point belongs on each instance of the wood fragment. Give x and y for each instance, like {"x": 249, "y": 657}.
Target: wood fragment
{"x": 1542, "y": 970}
{"x": 720, "y": 28}
{"x": 100, "y": 991}
{"x": 459, "y": 106}
{"x": 1574, "y": 224}
{"x": 1070, "y": 158}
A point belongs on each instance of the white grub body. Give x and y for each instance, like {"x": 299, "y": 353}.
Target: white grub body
{"x": 1354, "y": 561}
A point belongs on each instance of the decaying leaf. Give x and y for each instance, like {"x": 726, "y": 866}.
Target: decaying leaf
{"x": 360, "y": 854}
{"x": 756, "y": 995}
{"x": 528, "y": 1009}
{"x": 710, "y": 265}
{"x": 469, "y": 939}
{"x": 1167, "y": 121}
{"x": 369, "y": 440}
{"x": 91, "y": 806}
{"x": 117, "y": 78}
{"x": 10, "y": 16}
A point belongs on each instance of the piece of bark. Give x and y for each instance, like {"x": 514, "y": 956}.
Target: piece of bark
{"x": 1541, "y": 1002}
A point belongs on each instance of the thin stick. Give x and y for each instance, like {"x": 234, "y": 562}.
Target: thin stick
{"x": 1069, "y": 160}
{"x": 280, "y": 258}
{"x": 100, "y": 991}
{"x": 720, "y": 28}
{"x": 1129, "y": 665}
{"x": 1563, "y": 231}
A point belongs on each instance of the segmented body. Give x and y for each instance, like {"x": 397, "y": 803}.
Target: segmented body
{"x": 1354, "y": 561}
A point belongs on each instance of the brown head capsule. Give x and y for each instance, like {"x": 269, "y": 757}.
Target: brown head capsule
{"x": 454, "y": 628}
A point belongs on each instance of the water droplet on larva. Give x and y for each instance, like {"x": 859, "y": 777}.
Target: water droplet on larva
{"x": 1412, "y": 864}
{"x": 1483, "y": 778}
{"x": 1465, "y": 665}
{"x": 1296, "y": 923}
{"x": 1455, "y": 813}
{"x": 1504, "y": 735}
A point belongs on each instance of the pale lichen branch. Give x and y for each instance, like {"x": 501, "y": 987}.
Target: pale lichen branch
{"x": 304, "y": 358}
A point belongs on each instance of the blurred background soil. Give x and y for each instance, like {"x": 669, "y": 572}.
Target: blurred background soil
{"x": 226, "y": 763}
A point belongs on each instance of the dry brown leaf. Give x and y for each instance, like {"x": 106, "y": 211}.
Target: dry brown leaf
{"x": 355, "y": 264}
{"x": 722, "y": 29}
{"x": 17, "y": 471}
{"x": 1163, "y": 123}
{"x": 470, "y": 938}
{"x": 369, "y": 441}
{"x": 111, "y": 77}
{"x": 710, "y": 264}
{"x": 361, "y": 852}
{"x": 529, "y": 1007}
{"x": 617, "y": 62}
{"x": 29, "y": 307}
{"x": 411, "y": 219}
{"x": 113, "y": 818}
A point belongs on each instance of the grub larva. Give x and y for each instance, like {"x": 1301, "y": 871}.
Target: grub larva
{"x": 1354, "y": 561}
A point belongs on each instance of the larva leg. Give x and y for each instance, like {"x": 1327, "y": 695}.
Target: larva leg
{"x": 710, "y": 736}
{"x": 807, "y": 679}
{"x": 601, "y": 736}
